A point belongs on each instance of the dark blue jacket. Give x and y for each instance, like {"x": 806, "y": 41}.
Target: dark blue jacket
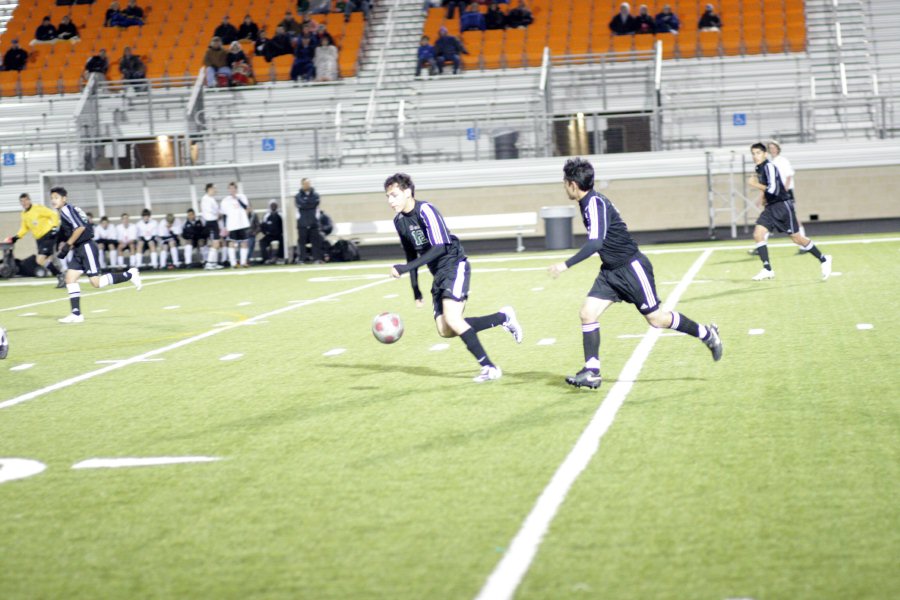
{"x": 472, "y": 20}
{"x": 426, "y": 53}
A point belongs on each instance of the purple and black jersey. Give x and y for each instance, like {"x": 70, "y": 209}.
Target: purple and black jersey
{"x": 426, "y": 240}
{"x": 768, "y": 175}
{"x": 607, "y": 233}
{"x": 71, "y": 218}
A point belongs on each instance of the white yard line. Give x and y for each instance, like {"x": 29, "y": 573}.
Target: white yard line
{"x": 504, "y": 580}
{"x": 119, "y": 288}
{"x": 202, "y": 336}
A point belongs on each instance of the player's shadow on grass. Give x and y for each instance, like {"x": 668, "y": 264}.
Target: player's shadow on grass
{"x": 419, "y": 371}
{"x": 750, "y": 287}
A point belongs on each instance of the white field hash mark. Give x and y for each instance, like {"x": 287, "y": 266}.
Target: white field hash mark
{"x": 116, "y": 463}
{"x": 504, "y": 580}
{"x": 153, "y": 353}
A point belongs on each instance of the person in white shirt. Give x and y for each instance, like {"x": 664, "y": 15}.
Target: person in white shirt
{"x": 148, "y": 229}
{"x": 127, "y": 235}
{"x": 787, "y": 174}
{"x": 236, "y": 207}
{"x": 210, "y": 213}
{"x": 107, "y": 241}
{"x": 169, "y": 230}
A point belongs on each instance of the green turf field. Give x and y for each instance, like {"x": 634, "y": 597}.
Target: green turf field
{"x": 384, "y": 472}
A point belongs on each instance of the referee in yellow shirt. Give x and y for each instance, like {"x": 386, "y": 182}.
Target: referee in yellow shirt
{"x": 43, "y": 223}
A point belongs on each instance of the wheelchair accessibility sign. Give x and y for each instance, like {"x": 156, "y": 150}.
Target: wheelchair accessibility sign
{"x": 739, "y": 119}
{"x": 268, "y": 144}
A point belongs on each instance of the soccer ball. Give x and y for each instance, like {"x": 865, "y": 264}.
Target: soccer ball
{"x": 387, "y": 328}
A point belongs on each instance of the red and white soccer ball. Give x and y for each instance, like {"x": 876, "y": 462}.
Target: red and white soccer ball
{"x": 387, "y": 327}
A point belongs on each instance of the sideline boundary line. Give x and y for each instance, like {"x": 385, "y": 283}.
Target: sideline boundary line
{"x": 196, "y": 338}
{"x": 65, "y": 298}
{"x": 509, "y": 572}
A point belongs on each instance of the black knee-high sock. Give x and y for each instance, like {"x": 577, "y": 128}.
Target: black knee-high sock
{"x": 487, "y": 321}
{"x": 470, "y": 338}
{"x": 75, "y": 299}
{"x": 120, "y": 277}
{"x": 812, "y": 249}
{"x": 590, "y": 340}
{"x": 685, "y": 325}
{"x": 764, "y": 256}
{"x": 52, "y": 268}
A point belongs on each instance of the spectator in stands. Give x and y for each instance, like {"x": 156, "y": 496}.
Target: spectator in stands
{"x": 667, "y": 21}
{"x": 709, "y": 20}
{"x": 248, "y": 30}
{"x": 447, "y": 49}
{"x": 356, "y": 5}
{"x": 45, "y": 32}
{"x": 495, "y": 19}
{"x": 472, "y": 19}
{"x": 98, "y": 64}
{"x": 67, "y": 30}
{"x": 291, "y": 26}
{"x": 273, "y": 234}
{"x": 112, "y": 11}
{"x": 623, "y": 23}
{"x": 319, "y": 7}
{"x": 15, "y": 58}
{"x": 131, "y": 66}
{"x": 134, "y": 11}
{"x": 216, "y": 62}
{"x": 452, "y": 5}
{"x": 644, "y": 23}
{"x": 277, "y": 46}
{"x": 304, "y": 53}
{"x": 322, "y": 33}
{"x": 226, "y": 32}
{"x": 325, "y": 61}
{"x": 241, "y": 72}
{"x": 520, "y": 16}
{"x": 425, "y": 58}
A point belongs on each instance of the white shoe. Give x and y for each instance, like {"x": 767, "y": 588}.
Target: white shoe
{"x": 826, "y": 267}
{"x": 217, "y": 266}
{"x": 72, "y": 318}
{"x": 488, "y": 373}
{"x": 512, "y": 324}
{"x": 763, "y": 275}
{"x": 4, "y": 344}
{"x": 136, "y": 278}
{"x": 208, "y": 267}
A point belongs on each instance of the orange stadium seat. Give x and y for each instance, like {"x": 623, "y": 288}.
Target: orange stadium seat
{"x": 668, "y": 44}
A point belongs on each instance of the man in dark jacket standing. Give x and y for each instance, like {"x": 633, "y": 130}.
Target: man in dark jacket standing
{"x": 307, "y": 201}
{"x": 272, "y": 230}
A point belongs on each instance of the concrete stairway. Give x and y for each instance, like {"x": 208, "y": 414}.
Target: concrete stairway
{"x": 6, "y": 10}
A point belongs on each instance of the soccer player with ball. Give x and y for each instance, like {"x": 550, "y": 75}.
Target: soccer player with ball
{"x": 427, "y": 241}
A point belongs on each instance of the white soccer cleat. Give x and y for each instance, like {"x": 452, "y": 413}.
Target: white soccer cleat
{"x": 763, "y": 275}
{"x": 136, "y": 278}
{"x": 72, "y": 318}
{"x": 488, "y": 373}
{"x": 826, "y": 267}
{"x": 512, "y": 324}
{"x": 4, "y": 344}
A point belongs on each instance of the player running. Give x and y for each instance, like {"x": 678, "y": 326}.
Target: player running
{"x": 78, "y": 235}
{"x": 778, "y": 215}
{"x": 626, "y": 274}
{"x": 43, "y": 223}
{"x": 427, "y": 241}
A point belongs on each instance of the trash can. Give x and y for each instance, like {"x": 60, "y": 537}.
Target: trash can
{"x": 558, "y": 226}
{"x": 505, "y": 144}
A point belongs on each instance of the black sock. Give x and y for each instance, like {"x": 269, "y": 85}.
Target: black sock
{"x": 685, "y": 325}
{"x": 590, "y": 340}
{"x": 120, "y": 277}
{"x": 52, "y": 268}
{"x": 811, "y": 248}
{"x": 764, "y": 256}
{"x": 470, "y": 338}
{"x": 75, "y": 301}
{"x": 487, "y": 321}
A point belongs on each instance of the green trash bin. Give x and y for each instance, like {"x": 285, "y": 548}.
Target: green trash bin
{"x": 558, "y": 226}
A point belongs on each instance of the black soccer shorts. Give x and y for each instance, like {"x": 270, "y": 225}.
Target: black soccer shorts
{"x": 85, "y": 258}
{"x": 144, "y": 244}
{"x": 46, "y": 246}
{"x": 450, "y": 282}
{"x": 780, "y": 216}
{"x": 211, "y": 231}
{"x": 633, "y": 282}
{"x": 238, "y": 235}
{"x": 107, "y": 244}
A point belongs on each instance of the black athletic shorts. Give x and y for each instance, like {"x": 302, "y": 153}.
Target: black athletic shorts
{"x": 85, "y": 258}
{"x": 211, "y": 231}
{"x": 632, "y": 282}
{"x": 238, "y": 235}
{"x": 170, "y": 239}
{"x": 144, "y": 244}
{"x": 780, "y": 216}
{"x": 451, "y": 282}
{"x": 107, "y": 244}
{"x": 46, "y": 246}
